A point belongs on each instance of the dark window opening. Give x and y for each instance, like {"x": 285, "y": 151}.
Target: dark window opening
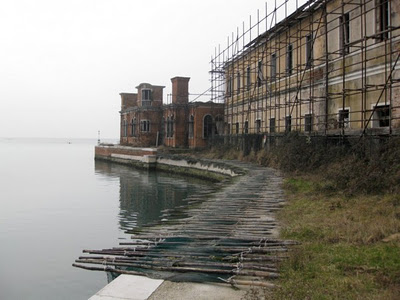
{"x": 145, "y": 126}
{"x": 309, "y": 50}
{"x": 383, "y": 15}
{"x": 207, "y": 126}
{"x": 229, "y": 87}
{"x": 344, "y": 118}
{"x": 289, "y": 59}
{"x": 382, "y": 116}
{"x": 237, "y": 127}
{"x": 345, "y": 33}
{"x": 273, "y": 67}
{"x": 248, "y": 78}
{"x": 258, "y": 126}
{"x": 272, "y": 125}
{"x": 133, "y": 127}
{"x": 308, "y": 122}
{"x": 288, "y": 123}
{"x": 246, "y": 127}
{"x": 238, "y": 82}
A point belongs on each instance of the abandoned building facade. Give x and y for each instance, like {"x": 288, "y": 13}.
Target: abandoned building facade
{"x": 329, "y": 67}
{"x": 147, "y": 122}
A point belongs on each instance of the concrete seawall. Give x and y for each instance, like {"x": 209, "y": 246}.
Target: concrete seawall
{"x": 149, "y": 158}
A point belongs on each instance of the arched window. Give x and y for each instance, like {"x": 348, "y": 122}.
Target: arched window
{"x": 219, "y": 125}
{"x": 191, "y": 126}
{"x": 207, "y": 126}
{"x": 133, "y": 127}
{"x": 124, "y": 128}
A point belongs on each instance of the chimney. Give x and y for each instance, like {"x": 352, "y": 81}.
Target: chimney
{"x": 180, "y": 90}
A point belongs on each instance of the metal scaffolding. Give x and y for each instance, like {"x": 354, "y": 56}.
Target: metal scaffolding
{"x": 323, "y": 67}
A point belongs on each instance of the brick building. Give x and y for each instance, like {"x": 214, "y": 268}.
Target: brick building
{"x": 147, "y": 122}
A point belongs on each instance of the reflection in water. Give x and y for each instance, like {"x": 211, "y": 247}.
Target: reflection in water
{"x": 144, "y": 195}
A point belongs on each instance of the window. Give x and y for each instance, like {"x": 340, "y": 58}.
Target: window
{"x": 381, "y": 116}
{"x": 273, "y": 67}
{"x": 259, "y": 74}
{"x": 289, "y": 59}
{"x": 309, "y": 50}
{"x": 228, "y": 129}
{"x": 229, "y": 87}
{"x": 237, "y": 127}
{"x": 248, "y": 78}
{"x": 345, "y": 33}
{"x": 288, "y": 123}
{"x": 258, "y": 126}
{"x": 238, "y": 82}
{"x": 145, "y": 126}
{"x": 344, "y": 118}
{"x": 207, "y": 126}
{"x": 191, "y": 127}
{"x": 170, "y": 126}
{"x": 219, "y": 125}
{"x": 124, "y": 128}
{"x": 383, "y": 18}
{"x": 272, "y": 125}
{"x": 146, "y": 97}
{"x": 246, "y": 127}
{"x": 308, "y": 122}
{"x": 133, "y": 127}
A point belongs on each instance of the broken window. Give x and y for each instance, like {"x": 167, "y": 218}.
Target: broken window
{"x": 383, "y": 19}
{"x": 344, "y": 118}
{"x": 381, "y": 116}
{"x": 258, "y": 126}
{"x": 345, "y": 33}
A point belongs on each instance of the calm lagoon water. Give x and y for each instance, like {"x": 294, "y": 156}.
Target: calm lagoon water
{"x": 56, "y": 201}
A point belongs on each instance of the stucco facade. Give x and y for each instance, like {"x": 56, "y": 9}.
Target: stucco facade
{"x": 331, "y": 68}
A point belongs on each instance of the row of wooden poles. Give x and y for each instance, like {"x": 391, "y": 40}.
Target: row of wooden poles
{"x": 228, "y": 236}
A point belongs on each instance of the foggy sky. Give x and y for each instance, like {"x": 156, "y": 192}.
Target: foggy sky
{"x": 63, "y": 63}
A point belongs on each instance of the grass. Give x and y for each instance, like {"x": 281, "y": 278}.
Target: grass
{"x": 349, "y": 247}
